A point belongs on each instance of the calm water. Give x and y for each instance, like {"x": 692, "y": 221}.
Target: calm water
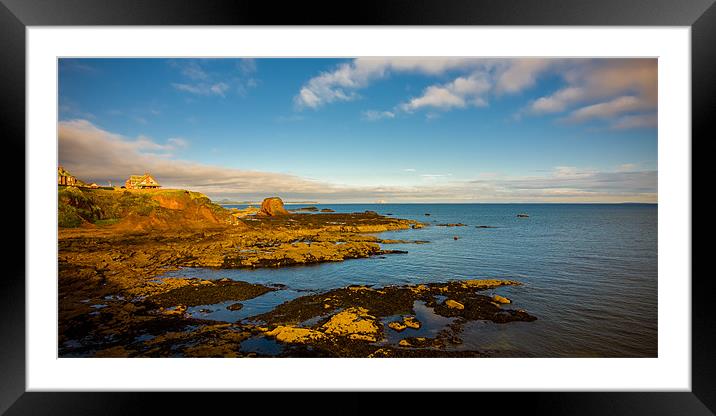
{"x": 589, "y": 273}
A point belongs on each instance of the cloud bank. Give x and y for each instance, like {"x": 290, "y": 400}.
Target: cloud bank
{"x": 96, "y": 155}
{"x": 621, "y": 93}
{"x": 501, "y": 75}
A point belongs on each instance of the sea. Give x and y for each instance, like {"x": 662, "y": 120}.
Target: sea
{"x": 588, "y": 273}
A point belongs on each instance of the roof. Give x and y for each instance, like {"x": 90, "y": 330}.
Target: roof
{"x": 138, "y": 179}
{"x": 63, "y": 172}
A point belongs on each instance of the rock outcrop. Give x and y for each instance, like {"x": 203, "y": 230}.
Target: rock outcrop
{"x": 272, "y": 207}
{"x": 501, "y": 299}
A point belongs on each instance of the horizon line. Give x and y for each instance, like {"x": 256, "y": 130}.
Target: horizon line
{"x": 445, "y": 203}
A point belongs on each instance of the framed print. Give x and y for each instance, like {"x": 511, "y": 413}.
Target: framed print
{"x": 448, "y": 197}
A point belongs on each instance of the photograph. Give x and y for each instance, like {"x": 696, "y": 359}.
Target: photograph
{"x": 357, "y": 207}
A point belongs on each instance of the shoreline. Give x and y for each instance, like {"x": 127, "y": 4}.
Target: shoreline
{"x": 111, "y": 302}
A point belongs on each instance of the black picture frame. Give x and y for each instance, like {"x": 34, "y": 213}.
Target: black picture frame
{"x": 16, "y": 15}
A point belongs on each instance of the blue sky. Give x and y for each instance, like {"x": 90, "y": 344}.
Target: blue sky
{"x": 368, "y": 129}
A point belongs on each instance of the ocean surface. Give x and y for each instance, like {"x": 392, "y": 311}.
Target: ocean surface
{"x": 589, "y": 274}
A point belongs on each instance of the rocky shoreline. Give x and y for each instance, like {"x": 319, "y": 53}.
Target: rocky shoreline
{"x": 111, "y": 303}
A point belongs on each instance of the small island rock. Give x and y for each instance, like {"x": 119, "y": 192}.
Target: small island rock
{"x": 272, "y": 207}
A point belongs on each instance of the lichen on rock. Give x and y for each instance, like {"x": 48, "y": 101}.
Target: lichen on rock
{"x": 355, "y": 323}
{"x": 295, "y": 335}
{"x": 501, "y": 299}
{"x": 406, "y": 322}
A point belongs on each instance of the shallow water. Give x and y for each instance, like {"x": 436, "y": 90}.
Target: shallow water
{"x": 589, "y": 273}
{"x": 430, "y": 324}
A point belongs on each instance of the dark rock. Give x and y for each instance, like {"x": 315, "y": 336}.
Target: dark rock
{"x": 278, "y": 285}
{"x": 394, "y": 252}
{"x": 235, "y": 306}
{"x": 306, "y": 209}
{"x": 209, "y": 293}
{"x": 327, "y": 210}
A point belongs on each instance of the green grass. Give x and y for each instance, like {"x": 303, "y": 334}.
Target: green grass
{"x": 68, "y": 217}
{"x": 108, "y": 206}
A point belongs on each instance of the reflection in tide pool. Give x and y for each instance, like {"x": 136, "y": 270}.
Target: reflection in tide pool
{"x": 261, "y": 345}
{"x": 431, "y": 324}
{"x": 251, "y": 307}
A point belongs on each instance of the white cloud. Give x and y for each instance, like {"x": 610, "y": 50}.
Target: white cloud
{"x": 373, "y": 115}
{"x": 247, "y": 66}
{"x": 69, "y": 108}
{"x": 461, "y": 92}
{"x": 570, "y": 172}
{"x": 193, "y": 70}
{"x": 519, "y": 74}
{"x": 607, "y": 109}
{"x": 201, "y": 81}
{"x": 627, "y": 167}
{"x": 218, "y": 88}
{"x": 433, "y": 176}
{"x": 570, "y": 183}
{"x": 178, "y": 142}
{"x": 341, "y": 84}
{"x": 433, "y": 96}
{"x": 557, "y": 102}
{"x": 480, "y": 76}
{"x": 598, "y": 86}
{"x": 608, "y": 89}
{"x": 639, "y": 121}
